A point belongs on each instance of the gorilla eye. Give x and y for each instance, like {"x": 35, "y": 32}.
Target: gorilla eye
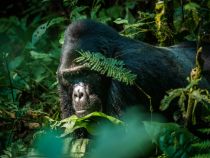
{"x": 79, "y": 72}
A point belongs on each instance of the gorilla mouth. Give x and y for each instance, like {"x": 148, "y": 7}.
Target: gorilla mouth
{"x": 85, "y": 111}
{"x": 89, "y": 110}
{"x": 81, "y": 111}
{"x": 85, "y": 108}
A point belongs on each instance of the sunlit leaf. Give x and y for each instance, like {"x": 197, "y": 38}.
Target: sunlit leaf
{"x": 41, "y": 56}
{"x": 61, "y": 40}
{"x": 121, "y": 21}
{"x": 39, "y": 32}
{"x": 191, "y": 6}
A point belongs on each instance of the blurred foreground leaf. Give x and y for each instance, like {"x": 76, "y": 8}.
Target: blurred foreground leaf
{"x": 172, "y": 139}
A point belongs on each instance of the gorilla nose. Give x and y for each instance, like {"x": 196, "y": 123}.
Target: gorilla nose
{"x": 79, "y": 92}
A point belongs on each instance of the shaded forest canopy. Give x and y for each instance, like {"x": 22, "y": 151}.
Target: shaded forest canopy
{"x": 31, "y": 36}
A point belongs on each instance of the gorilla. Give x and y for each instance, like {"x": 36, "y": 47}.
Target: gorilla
{"x": 158, "y": 70}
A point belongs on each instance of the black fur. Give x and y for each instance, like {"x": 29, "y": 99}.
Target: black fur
{"x": 158, "y": 68}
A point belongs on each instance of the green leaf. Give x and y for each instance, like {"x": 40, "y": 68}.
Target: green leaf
{"x": 208, "y": 4}
{"x": 172, "y": 139}
{"x": 94, "y": 11}
{"x": 8, "y": 153}
{"x": 15, "y": 62}
{"x": 39, "y": 74}
{"x": 43, "y": 28}
{"x": 76, "y": 13}
{"x": 41, "y": 56}
{"x": 90, "y": 122}
{"x": 165, "y": 102}
{"x": 114, "y": 11}
{"x": 121, "y": 21}
{"x": 191, "y": 37}
{"x": 61, "y": 40}
{"x": 191, "y": 6}
{"x": 39, "y": 32}
{"x": 102, "y": 115}
{"x": 55, "y": 21}
{"x": 48, "y": 144}
{"x": 154, "y": 129}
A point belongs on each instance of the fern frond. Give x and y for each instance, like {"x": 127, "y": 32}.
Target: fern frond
{"x": 107, "y": 66}
{"x": 205, "y": 130}
{"x": 165, "y": 102}
{"x": 204, "y": 145}
{"x": 202, "y": 156}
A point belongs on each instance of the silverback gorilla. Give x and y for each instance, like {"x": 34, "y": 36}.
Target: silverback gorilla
{"x": 158, "y": 69}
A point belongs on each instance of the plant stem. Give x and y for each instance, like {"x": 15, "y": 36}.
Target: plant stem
{"x": 188, "y": 115}
{"x": 9, "y": 77}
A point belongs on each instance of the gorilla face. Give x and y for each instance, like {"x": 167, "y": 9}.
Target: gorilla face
{"x": 83, "y": 89}
{"x": 83, "y": 100}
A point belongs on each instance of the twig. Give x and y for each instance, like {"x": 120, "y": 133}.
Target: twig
{"x": 148, "y": 97}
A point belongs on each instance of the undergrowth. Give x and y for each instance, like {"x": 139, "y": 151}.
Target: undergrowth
{"x": 30, "y": 50}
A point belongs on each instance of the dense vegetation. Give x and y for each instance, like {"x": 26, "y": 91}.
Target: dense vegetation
{"x": 31, "y": 34}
